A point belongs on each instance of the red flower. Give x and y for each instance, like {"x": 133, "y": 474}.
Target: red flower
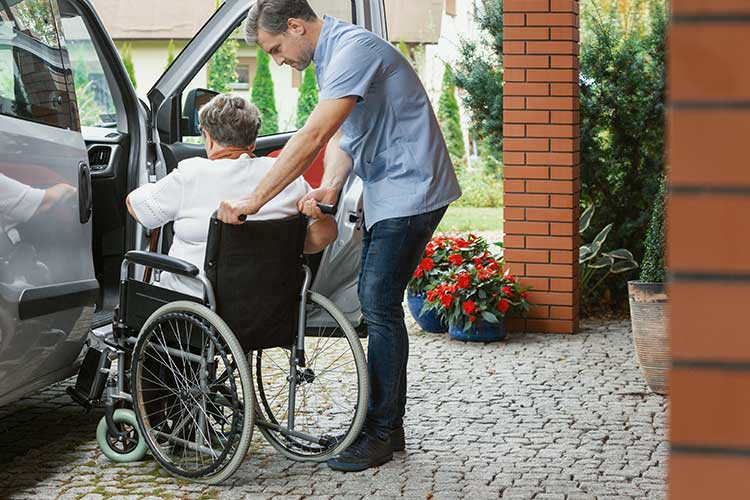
{"x": 419, "y": 272}
{"x": 469, "y": 307}
{"x": 464, "y": 279}
{"x": 472, "y": 318}
{"x": 432, "y": 295}
{"x": 506, "y": 290}
{"x": 447, "y": 300}
{"x": 477, "y": 261}
{"x": 427, "y": 264}
{"x": 525, "y": 295}
{"x": 503, "y": 306}
{"x": 455, "y": 259}
{"x": 429, "y": 250}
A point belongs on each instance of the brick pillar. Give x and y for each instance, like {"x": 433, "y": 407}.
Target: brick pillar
{"x": 541, "y": 157}
{"x": 708, "y": 249}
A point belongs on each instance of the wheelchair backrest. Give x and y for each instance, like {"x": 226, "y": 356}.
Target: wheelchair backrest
{"x": 256, "y": 271}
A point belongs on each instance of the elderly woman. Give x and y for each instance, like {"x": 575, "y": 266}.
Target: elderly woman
{"x": 191, "y": 193}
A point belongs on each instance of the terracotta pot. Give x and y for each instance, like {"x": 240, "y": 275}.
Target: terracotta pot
{"x": 648, "y": 317}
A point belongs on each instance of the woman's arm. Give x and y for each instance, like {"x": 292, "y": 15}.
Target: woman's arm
{"x": 321, "y": 234}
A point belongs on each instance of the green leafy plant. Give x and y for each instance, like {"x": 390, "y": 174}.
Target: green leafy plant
{"x": 653, "y": 270}
{"x": 596, "y": 264}
{"x": 479, "y": 188}
{"x": 126, "y": 54}
{"x": 263, "y": 95}
{"x": 450, "y": 118}
{"x": 308, "y": 96}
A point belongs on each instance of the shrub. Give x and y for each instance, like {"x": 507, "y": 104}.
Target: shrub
{"x": 308, "y": 96}
{"x": 622, "y": 123}
{"x": 170, "y": 53}
{"x": 653, "y": 270}
{"x": 480, "y": 189}
{"x": 263, "y": 96}
{"x": 450, "y": 118}
{"x": 222, "y": 67}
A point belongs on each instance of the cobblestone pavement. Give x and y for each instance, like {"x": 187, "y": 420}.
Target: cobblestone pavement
{"x": 543, "y": 417}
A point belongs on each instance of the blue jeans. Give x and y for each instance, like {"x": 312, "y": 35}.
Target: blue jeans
{"x": 391, "y": 251}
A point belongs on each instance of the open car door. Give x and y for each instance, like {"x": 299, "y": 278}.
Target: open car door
{"x": 337, "y": 268}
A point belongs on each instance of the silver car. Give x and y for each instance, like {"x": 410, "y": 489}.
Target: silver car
{"x": 65, "y": 173}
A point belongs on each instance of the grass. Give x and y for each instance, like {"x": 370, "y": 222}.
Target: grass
{"x": 471, "y": 219}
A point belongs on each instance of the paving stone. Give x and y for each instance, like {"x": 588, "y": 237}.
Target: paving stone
{"x": 536, "y": 417}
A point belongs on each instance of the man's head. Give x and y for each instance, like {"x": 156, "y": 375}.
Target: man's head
{"x": 286, "y": 29}
{"x": 229, "y": 121}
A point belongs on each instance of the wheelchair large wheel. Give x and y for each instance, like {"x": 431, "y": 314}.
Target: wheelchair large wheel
{"x": 329, "y": 387}
{"x": 192, "y": 393}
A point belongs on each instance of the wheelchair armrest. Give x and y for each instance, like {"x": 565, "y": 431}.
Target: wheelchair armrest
{"x": 162, "y": 262}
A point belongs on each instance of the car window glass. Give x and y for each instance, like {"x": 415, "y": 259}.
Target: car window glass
{"x": 32, "y": 75}
{"x": 96, "y": 107}
{"x": 279, "y": 92}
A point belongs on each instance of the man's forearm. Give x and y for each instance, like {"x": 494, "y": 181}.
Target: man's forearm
{"x": 338, "y": 165}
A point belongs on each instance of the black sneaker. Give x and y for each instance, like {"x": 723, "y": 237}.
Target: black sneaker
{"x": 398, "y": 441}
{"x": 367, "y": 451}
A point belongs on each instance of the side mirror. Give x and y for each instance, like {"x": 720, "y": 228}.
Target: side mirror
{"x": 194, "y": 101}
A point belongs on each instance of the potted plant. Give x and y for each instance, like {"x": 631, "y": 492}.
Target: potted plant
{"x": 475, "y": 299}
{"x": 432, "y": 270}
{"x": 648, "y": 303}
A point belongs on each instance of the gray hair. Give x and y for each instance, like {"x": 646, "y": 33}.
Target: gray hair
{"x": 272, "y": 16}
{"x": 230, "y": 120}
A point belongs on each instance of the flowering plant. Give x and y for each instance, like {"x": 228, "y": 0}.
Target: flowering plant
{"x": 441, "y": 255}
{"x": 477, "y": 289}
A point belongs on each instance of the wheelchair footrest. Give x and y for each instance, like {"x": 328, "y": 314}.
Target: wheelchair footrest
{"x": 92, "y": 377}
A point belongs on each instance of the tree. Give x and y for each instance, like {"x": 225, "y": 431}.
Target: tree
{"x": 308, "y": 96}
{"x": 450, "y": 119}
{"x": 480, "y": 73}
{"x": 88, "y": 109}
{"x": 263, "y": 96}
{"x": 126, "y": 53}
{"x": 170, "y": 53}
{"x": 222, "y": 67}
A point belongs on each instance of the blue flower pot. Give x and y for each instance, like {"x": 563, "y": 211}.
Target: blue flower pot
{"x": 429, "y": 321}
{"x": 481, "y": 331}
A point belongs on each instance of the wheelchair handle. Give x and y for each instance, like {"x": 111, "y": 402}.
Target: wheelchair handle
{"x": 325, "y": 208}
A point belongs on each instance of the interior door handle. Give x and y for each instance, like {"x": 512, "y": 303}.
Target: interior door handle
{"x": 85, "y": 200}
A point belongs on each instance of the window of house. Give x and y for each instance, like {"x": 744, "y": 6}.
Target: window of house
{"x": 32, "y": 75}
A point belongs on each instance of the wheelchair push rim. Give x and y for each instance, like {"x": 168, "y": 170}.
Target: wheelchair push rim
{"x": 192, "y": 392}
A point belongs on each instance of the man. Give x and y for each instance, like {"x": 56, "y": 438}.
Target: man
{"x": 376, "y": 118}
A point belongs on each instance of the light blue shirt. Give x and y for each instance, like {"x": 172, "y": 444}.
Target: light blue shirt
{"x": 392, "y": 134}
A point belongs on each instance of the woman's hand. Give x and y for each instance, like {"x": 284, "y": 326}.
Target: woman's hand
{"x": 308, "y": 205}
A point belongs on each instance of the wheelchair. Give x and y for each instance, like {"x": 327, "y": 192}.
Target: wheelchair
{"x": 175, "y": 375}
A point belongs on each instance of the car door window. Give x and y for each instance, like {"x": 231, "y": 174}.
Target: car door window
{"x": 94, "y": 100}
{"x": 240, "y": 68}
{"x": 33, "y": 83}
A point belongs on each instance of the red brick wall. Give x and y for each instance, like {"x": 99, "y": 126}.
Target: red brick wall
{"x": 709, "y": 249}
{"x": 541, "y": 157}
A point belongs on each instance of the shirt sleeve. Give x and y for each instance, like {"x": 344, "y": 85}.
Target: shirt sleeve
{"x": 157, "y": 204}
{"x": 351, "y": 72}
{"x": 18, "y": 202}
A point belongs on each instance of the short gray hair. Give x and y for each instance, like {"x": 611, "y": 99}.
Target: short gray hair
{"x": 230, "y": 120}
{"x": 273, "y": 15}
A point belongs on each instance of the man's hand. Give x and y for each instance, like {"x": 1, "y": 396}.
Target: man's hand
{"x": 230, "y": 211}
{"x": 308, "y": 205}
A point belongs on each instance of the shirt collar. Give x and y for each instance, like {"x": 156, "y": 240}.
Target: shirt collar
{"x": 322, "y": 46}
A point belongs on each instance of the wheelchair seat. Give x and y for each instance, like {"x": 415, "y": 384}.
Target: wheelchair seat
{"x": 256, "y": 272}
